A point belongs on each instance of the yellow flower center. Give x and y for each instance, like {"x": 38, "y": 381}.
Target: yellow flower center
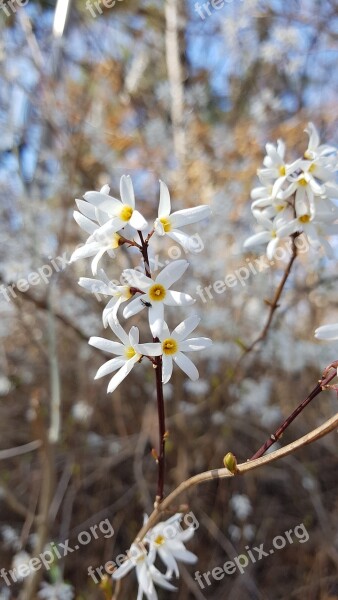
{"x": 169, "y": 346}
{"x": 126, "y": 213}
{"x": 159, "y": 540}
{"x": 312, "y": 168}
{"x": 304, "y": 219}
{"x": 279, "y": 207}
{"x": 273, "y": 234}
{"x": 157, "y": 292}
{"x": 302, "y": 181}
{"x": 116, "y": 241}
{"x": 308, "y": 154}
{"x": 129, "y": 353}
{"x": 166, "y": 224}
{"x": 282, "y": 170}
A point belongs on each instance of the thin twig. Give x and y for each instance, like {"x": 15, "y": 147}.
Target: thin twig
{"x": 279, "y": 432}
{"x": 273, "y": 304}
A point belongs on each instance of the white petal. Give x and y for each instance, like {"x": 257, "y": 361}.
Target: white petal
{"x": 111, "y": 310}
{"x": 88, "y": 210}
{"x": 137, "y": 279}
{"x": 104, "y": 234}
{"x": 127, "y": 191}
{"x": 178, "y": 299}
{"x": 149, "y": 349}
{"x": 155, "y": 315}
{"x": 134, "y": 307}
{"x": 186, "y": 365}
{"x": 96, "y": 260}
{"x": 164, "y": 207}
{"x": 187, "y": 216}
{"x": 122, "y": 373}
{"x": 194, "y": 344}
{"x": 327, "y": 332}
{"x": 106, "y": 345}
{"x": 189, "y": 242}
{"x": 134, "y": 336}
{"x": 165, "y": 333}
{"x": 259, "y": 238}
{"x": 119, "y": 331}
{"x": 167, "y": 368}
{"x": 85, "y": 251}
{"x": 172, "y": 272}
{"x": 104, "y": 202}
{"x": 271, "y": 248}
{"x": 187, "y": 326}
{"x": 125, "y": 568}
{"x": 95, "y": 286}
{"x": 110, "y": 366}
{"x": 138, "y": 221}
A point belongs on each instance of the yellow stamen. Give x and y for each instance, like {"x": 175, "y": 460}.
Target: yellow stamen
{"x": 169, "y": 346}
{"x": 157, "y": 292}
{"x": 279, "y": 207}
{"x": 312, "y": 168}
{"x": 129, "y": 353}
{"x": 273, "y": 234}
{"x": 159, "y": 540}
{"x": 304, "y": 219}
{"x": 166, "y": 224}
{"x": 126, "y": 213}
{"x": 282, "y": 170}
{"x": 116, "y": 241}
{"x": 302, "y": 181}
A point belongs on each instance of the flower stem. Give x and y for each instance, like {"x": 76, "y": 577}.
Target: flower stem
{"x": 159, "y": 390}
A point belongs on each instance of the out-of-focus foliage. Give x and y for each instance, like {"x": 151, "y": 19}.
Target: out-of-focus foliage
{"x": 78, "y": 112}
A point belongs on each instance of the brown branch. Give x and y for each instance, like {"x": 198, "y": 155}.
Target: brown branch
{"x": 243, "y": 468}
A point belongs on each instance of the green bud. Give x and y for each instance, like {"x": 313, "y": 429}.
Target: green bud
{"x": 230, "y": 462}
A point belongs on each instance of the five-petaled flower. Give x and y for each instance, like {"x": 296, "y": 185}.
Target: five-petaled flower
{"x": 170, "y": 224}
{"x": 129, "y": 351}
{"x": 156, "y": 293}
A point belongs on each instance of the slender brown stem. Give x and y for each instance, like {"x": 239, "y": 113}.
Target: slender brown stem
{"x": 279, "y": 432}
{"x": 159, "y": 391}
{"x": 273, "y": 304}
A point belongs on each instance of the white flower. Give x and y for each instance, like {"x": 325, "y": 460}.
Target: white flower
{"x": 241, "y": 505}
{"x": 129, "y": 352}
{"x": 22, "y": 559}
{"x": 176, "y": 343}
{"x": 305, "y": 188}
{"x": 170, "y": 224}
{"x": 327, "y": 332}
{"x": 56, "y": 591}
{"x": 103, "y": 216}
{"x": 156, "y": 293}
{"x": 119, "y": 293}
{"x": 82, "y": 411}
{"x": 276, "y": 169}
{"x": 167, "y": 540}
{"x": 147, "y": 574}
{"x": 313, "y": 229}
{"x": 120, "y": 213}
{"x": 272, "y": 234}
{"x": 314, "y": 149}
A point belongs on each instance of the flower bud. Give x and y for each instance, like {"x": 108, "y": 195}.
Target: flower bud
{"x": 230, "y": 462}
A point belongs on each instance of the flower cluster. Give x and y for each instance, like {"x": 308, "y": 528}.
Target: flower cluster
{"x": 111, "y": 223}
{"x": 166, "y": 542}
{"x": 296, "y": 197}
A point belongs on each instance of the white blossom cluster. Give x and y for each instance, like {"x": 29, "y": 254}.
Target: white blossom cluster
{"x": 111, "y": 223}
{"x": 166, "y": 542}
{"x": 297, "y": 197}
